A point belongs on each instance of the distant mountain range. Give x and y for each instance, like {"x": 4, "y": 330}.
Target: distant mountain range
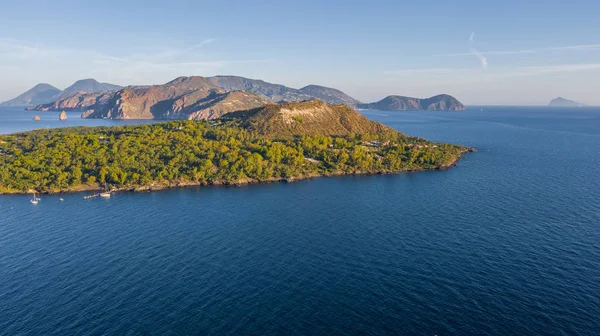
{"x": 562, "y": 102}
{"x": 199, "y": 97}
{"x": 39, "y": 94}
{"x": 399, "y": 103}
{"x": 45, "y": 93}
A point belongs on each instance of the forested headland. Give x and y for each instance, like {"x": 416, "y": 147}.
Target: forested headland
{"x": 228, "y": 151}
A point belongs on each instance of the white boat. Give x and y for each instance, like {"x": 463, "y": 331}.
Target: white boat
{"x": 106, "y": 193}
{"x": 35, "y": 200}
{"x": 61, "y": 199}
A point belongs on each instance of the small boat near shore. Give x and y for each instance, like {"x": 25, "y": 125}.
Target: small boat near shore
{"x": 35, "y": 200}
{"x": 106, "y": 193}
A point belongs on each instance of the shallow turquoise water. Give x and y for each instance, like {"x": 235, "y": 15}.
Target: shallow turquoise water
{"x": 505, "y": 243}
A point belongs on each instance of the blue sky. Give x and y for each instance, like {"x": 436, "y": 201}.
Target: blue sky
{"x": 483, "y": 52}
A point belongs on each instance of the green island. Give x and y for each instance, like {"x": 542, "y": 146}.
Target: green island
{"x": 273, "y": 143}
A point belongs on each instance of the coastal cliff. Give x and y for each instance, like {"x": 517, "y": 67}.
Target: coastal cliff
{"x": 76, "y": 102}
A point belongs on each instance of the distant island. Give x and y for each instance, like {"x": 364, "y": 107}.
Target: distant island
{"x": 45, "y": 93}
{"x": 399, "y": 103}
{"x": 276, "y": 142}
{"x": 40, "y": 94}
{"x": 562, "y": 102}
{"x": 199, "y": 98}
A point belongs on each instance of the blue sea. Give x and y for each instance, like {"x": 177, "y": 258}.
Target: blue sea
{"x": 505, "y": 243}
{"x": 16, "y": 119}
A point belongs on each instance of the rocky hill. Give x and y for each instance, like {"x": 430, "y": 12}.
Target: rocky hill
{"x": 563, "y": 102}
{"x": 183, "y": 98}
{"x": 399, "y": 103}
{"x": 305, "y": 118}
{"x": 40, "y": 94}
{"x": 76, "y": 102}
{"x": 85, "y": 86}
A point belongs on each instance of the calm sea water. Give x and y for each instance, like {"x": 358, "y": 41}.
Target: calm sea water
{"x": 506, "y": 243}
{"x": 16, "y": 119}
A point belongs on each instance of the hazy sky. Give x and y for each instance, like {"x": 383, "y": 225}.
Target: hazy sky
{"x": 483, "y": 52}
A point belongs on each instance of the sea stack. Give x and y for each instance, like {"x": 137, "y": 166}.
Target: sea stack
{"x": 36, "y": 118}
{"x": 62, "y": 116}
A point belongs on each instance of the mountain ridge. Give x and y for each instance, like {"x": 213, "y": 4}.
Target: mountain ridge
{"x": 175, "y": 99}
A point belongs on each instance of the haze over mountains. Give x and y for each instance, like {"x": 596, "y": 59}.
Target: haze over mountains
{"x": 39, "y": 94}
{"x": 200, "y": 97}
{"x": 45, "y": 93}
